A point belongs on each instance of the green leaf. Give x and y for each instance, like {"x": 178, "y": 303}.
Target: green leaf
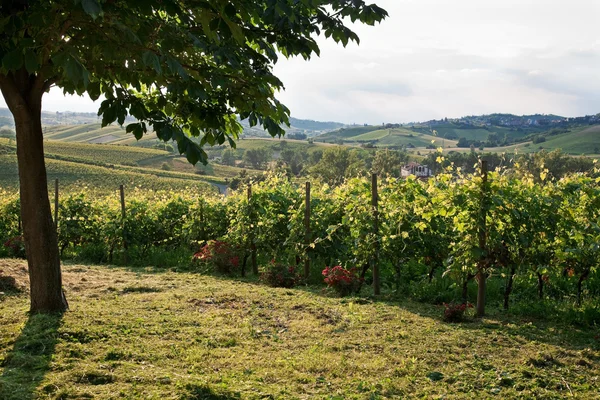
{"x": 31, "y": 61}
{"x": 12, "y": 60}
{"x": 150, "y": 59}
{"x": 92, "y": 8}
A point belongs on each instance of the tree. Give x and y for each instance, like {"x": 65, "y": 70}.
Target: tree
{"x": 388, "y": 162}
{"x": 257, "y": 158}
{"x": 337, "y": 164}
{"x": 228, "y": 157}
{"x": 180, "y": 68}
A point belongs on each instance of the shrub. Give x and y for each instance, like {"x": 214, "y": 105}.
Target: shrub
{"x": 15, "y": 246}
{"x": 218, "y": 256}
{"x": 454, "y": 312}
{"x": 343, "y": 281}
{"x": 281, "y": 275}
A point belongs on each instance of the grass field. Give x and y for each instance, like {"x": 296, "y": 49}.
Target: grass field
{"x": 584, "y": 140}
{"x": 151, "y": 334}
{"x": 75, "y": 176}
{"x": 108, "y": 154}
{"x": 346, "y": 133}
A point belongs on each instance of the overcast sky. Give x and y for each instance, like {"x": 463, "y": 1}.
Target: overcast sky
{"x": 440, "y": 58}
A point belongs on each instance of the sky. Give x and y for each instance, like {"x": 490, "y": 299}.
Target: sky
{"x": 438, "y": 58}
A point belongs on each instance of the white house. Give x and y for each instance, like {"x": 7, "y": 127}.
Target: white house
{"x": 416, "y": 169}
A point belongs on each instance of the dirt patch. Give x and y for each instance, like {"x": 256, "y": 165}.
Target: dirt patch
{"x": 230, "y": 302}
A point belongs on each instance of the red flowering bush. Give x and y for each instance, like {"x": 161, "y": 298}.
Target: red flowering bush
{"x": 455, "y": 312}
{"x": 343, "y": 281}
{"x": 281, "y": 275}
{"x": 16, "y": 246}
{"x": 218, "y": 256}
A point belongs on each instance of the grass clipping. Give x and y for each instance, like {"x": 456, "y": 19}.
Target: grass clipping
{"x": 149, "y": 335}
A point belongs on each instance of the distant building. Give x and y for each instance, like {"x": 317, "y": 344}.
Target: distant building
{"x": 416, "y": 169}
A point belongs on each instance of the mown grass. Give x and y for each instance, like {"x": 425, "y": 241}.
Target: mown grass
{"x": 146, "y": 334}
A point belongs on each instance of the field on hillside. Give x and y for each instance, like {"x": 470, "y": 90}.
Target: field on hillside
{"x": 75, "y": 176}
{"x": 584, "y": 140}
{"x": 93, "y": 133}
{"x": 109, "y": 154}
{"x": 345, "y": 133}
{"x": 154, "y": 334}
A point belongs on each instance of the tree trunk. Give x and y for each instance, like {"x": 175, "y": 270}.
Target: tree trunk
{"x": 481, "y": 289}
{"x": 465, "y": 288}
{"x": 509, "y": 287}
{"x": 39, "y": 231}
{"x": 540, "y": 285}
{"x": 582, "y": 278}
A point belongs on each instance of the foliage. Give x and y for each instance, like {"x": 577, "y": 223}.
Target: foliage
{"x": 179, "y": 68}
{"x": 343, "y": 281}
{"x": 337, "y": 164}
{"x": 280, "y": 275}
{"x": 16, "y": 247}
{"x": 455, "y": 312}
{"x": 218, "y": 256}
{"x": 541, "y": 233}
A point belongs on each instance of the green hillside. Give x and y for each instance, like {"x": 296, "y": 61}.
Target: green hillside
{"x": 73, "y": 175}
{"x": 584, "y": 140}
{"x": 345, "y": 133}
{"x": 109, "y": 154}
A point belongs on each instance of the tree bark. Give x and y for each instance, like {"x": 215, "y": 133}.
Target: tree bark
{"x": 540, "y": 285}
{"x": 509, "y": 286}
{"x": 465, "y": 288}
{"x": 582, "y": 278}
{"x": 23, "y": 94}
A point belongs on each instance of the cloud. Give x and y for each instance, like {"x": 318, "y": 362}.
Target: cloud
{"x": 440, "y": 58}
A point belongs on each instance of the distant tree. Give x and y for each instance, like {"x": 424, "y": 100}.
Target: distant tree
{"x": 180, "y": 68}
{"x": 7, "y": 133}
{"x": 337, "y": 164}
{"x": 315, "y": 156}
{"x": 463, "y": 142}
{"x": 295, "y": 160}
{"x": 296, "y": 136}
{"x": 228, "y": 157}
{"x": 257, "y": 158}
{"x": 388, "y": 162}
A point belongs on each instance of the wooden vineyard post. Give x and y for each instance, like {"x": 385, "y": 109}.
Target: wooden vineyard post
{"x": 202, "y": 230}
{"x": 252, "y": 227}
{"x": 307, "y": 231}
{"x": 482, "y": 236}
{"x": 56, "y": 204}
{"x": 122, "y": 192}
{"x": 374, "y": 204}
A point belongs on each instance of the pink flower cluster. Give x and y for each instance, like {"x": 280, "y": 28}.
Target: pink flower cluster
{"x": 342, "y": 280}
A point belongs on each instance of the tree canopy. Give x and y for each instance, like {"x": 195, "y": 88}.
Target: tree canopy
{"x": 181, "y": 68}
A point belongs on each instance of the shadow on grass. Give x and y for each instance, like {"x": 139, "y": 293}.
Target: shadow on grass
{"x": 9, "y": 287}
{"x": 203, "y": 392}
{"x": 26, "y": 364}
{"x": 554, "y": 331}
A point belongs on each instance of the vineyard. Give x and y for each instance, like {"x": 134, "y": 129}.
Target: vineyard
{"x": 534, "y": 241}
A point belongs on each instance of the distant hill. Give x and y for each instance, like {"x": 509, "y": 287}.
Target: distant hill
{"x": 64, "y": 124}
{"x": 501, "y": 132}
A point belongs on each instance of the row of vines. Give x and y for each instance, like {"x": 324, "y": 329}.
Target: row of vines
{"x": 540, "y": 251}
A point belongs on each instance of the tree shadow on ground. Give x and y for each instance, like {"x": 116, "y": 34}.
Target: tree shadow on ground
{"x": 9, "y": 286}
{"x": 204, "y": 392}
{"x": 550, "y": 331}
{"x": 26, "y": 364}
